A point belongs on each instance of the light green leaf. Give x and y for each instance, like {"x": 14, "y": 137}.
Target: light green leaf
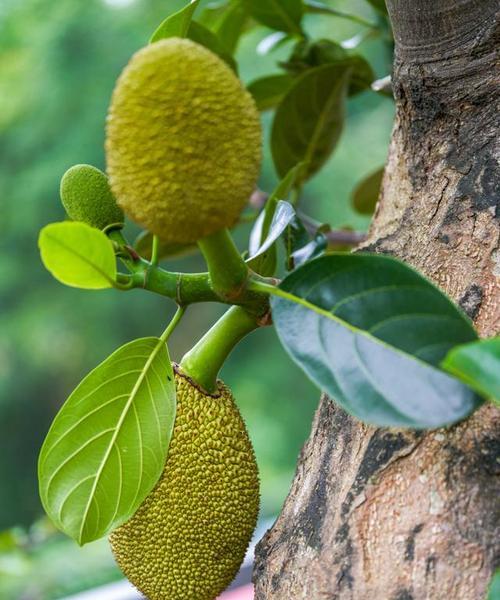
{"x": 283, "y": 15}
{"x": 371, "y": 332}
{"x": 309, "y": 121}
{"x": 365, "y": 195}
{"x": 107, "y": 446}
{"x": 478, "y": 365}
{"x": 268, "y": 91}
{"x": 78, "y": 255}
{"x": 176, "y": 25}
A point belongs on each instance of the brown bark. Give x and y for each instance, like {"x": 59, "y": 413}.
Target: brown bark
{"x": 399, "y": 515}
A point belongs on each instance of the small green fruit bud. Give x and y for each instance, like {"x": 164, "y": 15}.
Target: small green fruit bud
{"x": 87, "y": 197}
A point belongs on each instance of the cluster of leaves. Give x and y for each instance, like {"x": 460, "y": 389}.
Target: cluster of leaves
{"x": 369, "y": 330}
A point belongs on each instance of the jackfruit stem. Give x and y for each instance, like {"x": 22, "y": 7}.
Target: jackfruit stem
{"x": 204, "y": 361}
{"x": 155, "y": 250}
{"x": 228, "y": 271}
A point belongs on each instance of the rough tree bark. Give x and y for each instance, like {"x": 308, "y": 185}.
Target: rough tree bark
{"x": 382, "y": 514}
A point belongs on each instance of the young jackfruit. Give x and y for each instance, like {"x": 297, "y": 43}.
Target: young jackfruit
{"x": 189, "y": 537}
{"x": 87, "y": 197}
{"x": 183, "y": 141}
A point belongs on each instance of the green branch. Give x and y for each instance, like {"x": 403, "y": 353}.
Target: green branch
{"x": 228, "y": 271}
{"x": 226, "y": 282}
{"x": 203, "y": 362}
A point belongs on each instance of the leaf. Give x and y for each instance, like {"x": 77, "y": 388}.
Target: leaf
{"x": 379, "y": 5}
{"x": 296, "y": 237}
{"x": 309, "y": 120}
{"x": 478, "y": 365}
{"x": 272, "y": 42}
{"x": 365, "y": 195}
{"x": 307, "y": 55}
{"x": 231, "y": 24}
{"x": 370, "y": 331}
{"x": 282, "y": 15}
{"x": 203, "y": 36}
{"x": 78, "y": 255}
{"x": 283, "y": 214}
{"x": 316, "y": 247}
{"x": 176, "y": 25}
{"x": 494, "y": 588}
{"x": 180, "y": 24}
{"x": 144, "y": 243}
{"x": 268, "y": 91}
{"x": 107, "y": 446}
{"x": 362, "y": 74}
{"x": 265, "y": 264}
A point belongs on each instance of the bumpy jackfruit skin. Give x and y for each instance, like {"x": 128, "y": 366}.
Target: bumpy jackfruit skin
{"x": 189, "y": 537}
{"x": 87, "y": 196}
{"x": 183, "y": 141}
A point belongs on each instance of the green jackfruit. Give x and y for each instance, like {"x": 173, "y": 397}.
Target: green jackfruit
{"x": 183, "y": 141}
{"x": 189, "y": 537}
{"x": 87, "y": 197}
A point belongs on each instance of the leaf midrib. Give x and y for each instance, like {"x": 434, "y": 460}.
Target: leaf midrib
{"x": 116, "y": 433}
{"x": 324, "y": 313}
{"x": 320, "y": 124}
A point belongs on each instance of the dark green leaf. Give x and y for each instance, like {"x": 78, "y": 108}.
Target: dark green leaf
{"x": 144, "y": 244}
{"x": 478, "y": 365}
{"x": 307, "y": 55}
{"x": 203, "y": 36}
{"x": 309, "y": 120}
{"x": 231, "y": 24}
{"x": 494, "y": 589}
{"x": 283, "y": 15}
{"x": 269, "y": 91}
{"x": 362, "y": 74}
{"x": 365, "y": 195}
{"x": 180, "y": 24}
{"x": 316, "y": 247}
{"x": 379, "y": 5}
{"x": 107, "y": 446}
{"x": 296, "y": 238}
{"x": 265, "y": 264}
{"x": 78, "y": 255}
{"x": 176, "y": 25}
{"x": 371, "y": 331}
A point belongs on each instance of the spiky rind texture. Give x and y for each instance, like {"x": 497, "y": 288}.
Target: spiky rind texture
{"x": 183, "y": 141}
{"x": 87, "y": 197}
{"x": 189, "y": 537}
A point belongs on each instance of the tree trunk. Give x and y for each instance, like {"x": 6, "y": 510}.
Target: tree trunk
{"x": 385, "y": 514}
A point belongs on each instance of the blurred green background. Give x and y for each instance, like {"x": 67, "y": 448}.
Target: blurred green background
{"x": 58, "y": 63}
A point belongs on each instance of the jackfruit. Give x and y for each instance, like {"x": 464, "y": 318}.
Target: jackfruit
{"x": 87, "y": 197}
{"x": 183, "y": 141}
{"x": 188, "y": 538}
